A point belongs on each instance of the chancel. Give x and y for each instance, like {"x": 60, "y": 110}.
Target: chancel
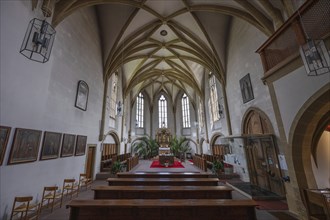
{"x": 165, "y": 109}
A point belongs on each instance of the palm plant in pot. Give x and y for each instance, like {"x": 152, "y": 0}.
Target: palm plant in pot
{"x": 179, "y": 147}
{"x": 146, "y": 147}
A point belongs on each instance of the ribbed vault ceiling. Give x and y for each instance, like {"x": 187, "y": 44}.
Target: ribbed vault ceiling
{"x": 195, "y": 40}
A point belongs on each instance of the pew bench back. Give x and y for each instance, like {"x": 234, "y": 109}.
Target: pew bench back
{"x": 162, "y": 192}
{"x": 148, "y": 209}
{"x": 163, "y": 175}
{"x": 162, "y": 181}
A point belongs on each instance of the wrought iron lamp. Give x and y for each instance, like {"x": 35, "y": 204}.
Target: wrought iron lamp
{"x": 314, "y": 55}
{"x": 38, "y": 41}
{"x": 221, "y": 111}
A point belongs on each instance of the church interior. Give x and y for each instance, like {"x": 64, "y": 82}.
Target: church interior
{"x": 187, "y": 99}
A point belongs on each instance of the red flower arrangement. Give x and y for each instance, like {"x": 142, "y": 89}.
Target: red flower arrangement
{"x": 227, "y": 165}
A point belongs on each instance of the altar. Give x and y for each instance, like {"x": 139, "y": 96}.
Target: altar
{"x": 166, "y": 158}
{"x": 163, "y": 138}
{"x": 164, "y": 150}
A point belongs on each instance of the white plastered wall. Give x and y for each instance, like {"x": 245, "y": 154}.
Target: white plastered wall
{"x": 242, "y": 59}
{"x": 42, "y": 96}
{"x": 293, "y": 90}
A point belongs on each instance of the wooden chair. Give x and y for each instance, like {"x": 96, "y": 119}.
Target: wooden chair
{"x": 50, "y": 197}
{"x": 70, "y": 187}
{"x": 84, "y": 181}
{"x": 24, "y": 209}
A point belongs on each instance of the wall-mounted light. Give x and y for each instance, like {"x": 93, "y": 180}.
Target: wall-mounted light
{"x": 221, "y": 111}
{"x": 286, "y": 179}
{"x": 38, "y": 41}
{"x": 119, "y": 108}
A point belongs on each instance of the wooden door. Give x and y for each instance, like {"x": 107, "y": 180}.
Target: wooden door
{"x": 258, "y": 166}
{"x": 261, "y": 152}
{"x": 263, "y": 164}
{"x": 273, "y": 166}
{"x": 90, "y": 161}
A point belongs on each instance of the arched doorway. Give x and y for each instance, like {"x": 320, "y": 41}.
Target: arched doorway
{"x": 309, "y": 125}
{"x": 110, "y": 147}
{"x": 261, "y": 152}
{"x": 217, "y": 147}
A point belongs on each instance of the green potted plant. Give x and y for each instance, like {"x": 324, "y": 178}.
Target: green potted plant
{"x": 116, "y": 167}
{"x": 217, "y": 167}
{"x": 179, "y": 147}
{"x": 146, "y": 147}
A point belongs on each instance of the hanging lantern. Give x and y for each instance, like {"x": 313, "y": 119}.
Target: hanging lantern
{"x": 38, "y": 41}
{"x": 315, "y": 57}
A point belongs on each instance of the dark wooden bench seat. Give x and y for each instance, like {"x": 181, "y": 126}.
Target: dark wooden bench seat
{"x": 162, "y": 192}
{"x": 163, "y": 181}
{"x": 163, "y": 175}
{"x": 162, "y": 209}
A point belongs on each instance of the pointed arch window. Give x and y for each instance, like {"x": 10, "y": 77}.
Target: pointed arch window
{"x": 185, "y": 111}
{"x": 113, "y": 96}
{"x": 162, "y": 111}
{"x": 139, "y": 110}
{"x": 215, "y": 116}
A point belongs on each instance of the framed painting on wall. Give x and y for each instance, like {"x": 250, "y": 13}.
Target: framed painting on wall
{"x": 25, "y": 146}
{"x": 246, "y": 88}
{"x": 50, "y": 145}
{"x": 82, "y": 95}
{"x": 68, "y": 145}
{"x": 81, "y": 145}
{"x": 4, "y": 136}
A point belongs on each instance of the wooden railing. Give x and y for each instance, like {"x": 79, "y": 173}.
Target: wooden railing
{"x": 121, "y": 157}
{"x": 283, "y": 46}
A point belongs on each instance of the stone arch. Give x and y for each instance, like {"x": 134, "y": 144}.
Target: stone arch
{"x": 255, "y": 121}
{"x": 115, "y": 137}
{"x": 303, "y": 133}
{"x": 214, "y": 138}
{"x": 194, "y": 143}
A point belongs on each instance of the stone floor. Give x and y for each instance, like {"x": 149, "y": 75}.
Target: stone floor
{"x": 144, "y": 166}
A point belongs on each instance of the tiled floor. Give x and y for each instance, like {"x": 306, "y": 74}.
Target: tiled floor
{"x": 144, "y": 166}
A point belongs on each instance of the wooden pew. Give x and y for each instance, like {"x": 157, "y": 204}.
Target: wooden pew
{"x": 317, "y": 202}
{"x": 132, "y": 162}
{"x": 162, "y": 192}
{"x": 200, "y": 163}
{"x": 163, "y": 181}
{"x": 210, "y": 159}
{"x": 163, "y": 175}
{"x": 162, "y": 209}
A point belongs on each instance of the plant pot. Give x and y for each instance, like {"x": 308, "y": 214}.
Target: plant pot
{"x": 228, "y": 170}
